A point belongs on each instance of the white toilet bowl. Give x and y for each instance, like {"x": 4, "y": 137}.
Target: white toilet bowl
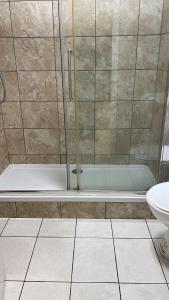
{"x": 158, "y": 200}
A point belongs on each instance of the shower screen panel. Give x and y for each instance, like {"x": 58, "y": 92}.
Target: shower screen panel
{"x": 116, "y": 88}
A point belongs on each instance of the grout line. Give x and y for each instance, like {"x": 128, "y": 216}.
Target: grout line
{"x": 77, "y": 237}
{"x": 30, "y": 258}
{"x": 73, "y": 261}
{"x": 116, "y": 260}
{"x": 90, "y": 282}
{"x": 79, "y": 36}
{"x": 4, "y": 226}
{"x": 157, "y": 253}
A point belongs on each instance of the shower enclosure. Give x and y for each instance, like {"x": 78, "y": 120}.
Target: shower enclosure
{"x": 86, "y": 92}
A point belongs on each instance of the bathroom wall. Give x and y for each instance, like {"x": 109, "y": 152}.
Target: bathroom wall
{"x": 122, "y": 62}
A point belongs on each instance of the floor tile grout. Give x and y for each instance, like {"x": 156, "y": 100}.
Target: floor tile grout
{"x": 30, "y": 259}
{"x": 70, "y": 294}
{"x": 116, "y": 260}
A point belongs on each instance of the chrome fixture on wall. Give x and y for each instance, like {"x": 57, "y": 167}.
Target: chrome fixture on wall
{"x": 4, "y": 89}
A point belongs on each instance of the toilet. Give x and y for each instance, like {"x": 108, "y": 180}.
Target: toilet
{"x": 158, "y": 200}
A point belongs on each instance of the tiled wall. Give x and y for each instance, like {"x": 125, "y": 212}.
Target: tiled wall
{"x": 122, "y": 62}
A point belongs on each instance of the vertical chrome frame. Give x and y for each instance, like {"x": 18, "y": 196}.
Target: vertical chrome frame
{"x": 64, "y": 89}
{"x": 164, "y": 159}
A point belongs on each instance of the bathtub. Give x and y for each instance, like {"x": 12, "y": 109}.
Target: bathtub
{"x": 105, "y": 183}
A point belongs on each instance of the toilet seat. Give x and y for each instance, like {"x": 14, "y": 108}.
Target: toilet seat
{"x": 158, "y": 195}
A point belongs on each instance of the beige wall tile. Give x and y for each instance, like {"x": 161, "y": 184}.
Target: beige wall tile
{"x": 150, "y": 16}
{"x": 32, "y": 18}
{"x": 165, "y": 23}
{"x": 17, "y": 159}
{"x": 145, "y": 83}
{"x": 116, "y": 52}
{"x": 112, "y": 159}
{"x": 43, "y": 159}
{"x": 85, "y": 85}
{"x": 115, "y": 141}
{"x": 85, "y": 210}
{"x": 114, "y": 17}
{"x": 85, "y": 115}
{"x": 3, "y": 146}
{"x": 111, "y": 114}
{"x": 12, "y": 115}
{"x": 127, "y": 210}
{"x": 83, "y": 159}
{"x": 161, "y": 85}
{"x": 86, "y": 141}
{"x": 164, "y": 53}
{"x": 142, "y": 114}
{"x": 37, "y": 85}
{"x": 39, "y": 114}
{"x": 140, "y": 141}
{"x": 5, "y": 22}
{"x": 38, "y": 209}
{"x": 147, "y": 52}
{"x": 7, "y": 210}
{"x": 7, "y": 60}
{"x": 85, "y": 18}
{"x": 41, "y": 141}
{"x": 55, "y": 18}
{"x": 15, "y": 141}
{"x": 11, "y": 84}
{"x": 35, "y": 53}
{"x": 114, "y": 85}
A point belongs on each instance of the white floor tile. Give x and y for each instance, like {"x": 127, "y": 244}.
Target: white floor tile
{"x": 144, "y": 292}
{"x": 164, "y": 261}
{"x": 58, "y": 227}
{"x": 2, "y": 223}
{"x": 94, "y": 228}
{"x": 130, "y": 229}
{"x": 95, "y": 291}
{"x": 12, "y": 290}
{"x": 22, "y": 227}
{"x": 157, "y": 229}
{"x": 52, "y": 260}
{"x": 45, "y": 290}
{"x": 16, "y": 253}
{"x": 94, "y": 261}
{"x": 137, "y": 261}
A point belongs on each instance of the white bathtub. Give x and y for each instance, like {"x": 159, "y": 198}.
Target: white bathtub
{"x": 106, "y": 183}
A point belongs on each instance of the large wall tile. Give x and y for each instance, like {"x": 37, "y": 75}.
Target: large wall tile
{"x": 147, "y": 52}
{"x": 112, "y": 159}
{"x": 5, "y": 22}
{"x": 41, "y": 141}
{"x": 111, "y": 114}
{"x": 128, "y": 210}
{"x": 43, "y": 159}
{"x": 38, "y": 209}
{"x": 83, "y": 159}
{"x": 86, "y": 141}
{"x": 165, "y": 23}
{"x": 11, "y": 84}
{"x": 85, "y": 85}
{"x": 142, "y": 114}
{"x": 32, "y": 18}
{"x": 164, "y": 53}
{"x": 7, "y": 210}
{"x": 7, "y": 59}
{"x": 83, "y": 210}
{"x": 37, "y": 86}
{"x": 145, "y": 84}
{"x": 35, "y": 53}
{"x": 3, "y": 147}
{"x": 117, "y": 17}
{"x": 140, "y": 139}
{"x": 15, "y": 141}
{"x": 85, "y": 115}
{"x": 12, "y": 115}
{"x": 115, "y": 141}
{"x": 115, "y": 52}
{"x": 40, "y": 114}
{"x": 150, "y": 16}
{"x": 161, "y": 86}
{"x": 84, "y": 18}
{"x": 115, "y": 85}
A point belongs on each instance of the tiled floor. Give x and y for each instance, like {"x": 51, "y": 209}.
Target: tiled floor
{"x": 83, "y": 259}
